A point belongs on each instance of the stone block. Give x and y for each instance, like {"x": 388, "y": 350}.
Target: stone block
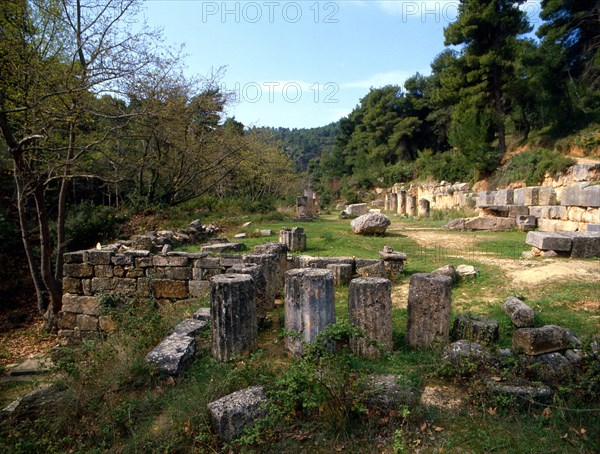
{"x": 309, "y": 305}
{"x": 411, "y": 205}
{"x": 223, "y": 247}
{"x": 233, "y": 316}
{"x": 370, "y": 308}
{"x": 342, "y": 273}
{"x": 463, "y": 353}
{"x": 134, "y": 273}
{"x": 526, "y": 223}
{"x": 486, "y": 198}
{"x": 523, "y": 393}
{"x": 208, "y": 262}
{"x": 551, "y": 368}
{"x": 521, "y": 315}
{"x": 71, "y": 285}
{"x": 165, "y": 288}
{"x": 122, "y": 260}
{"x": 549, "y": 241}
{"x": 231, "y": 414}
{"x": 103, "y": 271}
{"x": 190, "y": 327}
{"x": 546, "y": 196}
{"x": 143, "y": 262}
{"x": 202, "y": 314}
{"x": 80, "y": 304}
{"x": 446, "y": 270}
{"x": 87, "y": 322}
{"x": 229, "y": 260}
{"x": 429, "y": 303}
{"x": 585, "y": 244}
{"x": 387, "y": 393}
{"x": 424, "y": 207}
{"x": 503, "y": 197}
{"x": 549, "y": 212}
{"x": 173, "y": 354}
{"x": 169, "y": 260}
{"x": 179, "y": 273}
{"x": 582, "y": 194}
{"x": 535, "y": 341}
{"x": 97, "y": 257}
{"x": 475, "y": 328}
{"x": 593, "y": 228}
{"x": 67, "y": 320}
{"x": 552, "y": 225}
{"x": 199, "y": 289}
{"x": 357, "y": 209}
{"x": 490, "y": 223}
{"x": 377, "y": 269}
{"x": 78, "y": 270}
{"x": 73, "y": 257}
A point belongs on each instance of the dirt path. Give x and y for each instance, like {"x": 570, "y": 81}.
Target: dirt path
{"x": 520, "y": 272}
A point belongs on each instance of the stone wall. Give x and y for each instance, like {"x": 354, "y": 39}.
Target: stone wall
{"x": 93, "y": 274}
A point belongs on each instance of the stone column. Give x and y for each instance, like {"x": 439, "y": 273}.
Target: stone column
{"x": 370, "y": 308}
{"x": 261, "y": 298}
{"x": 294, "y": 238}
{"x": 279, "y": 253}
{"x": 269, "y": 264}
{"x": 393, "y": 261}
{"x": 342, "y": 273}
{"x": 429, "y": 302}
{"x": 302, "y": 208}
{"x": 393, "y": 202}
{"x": 309, "y": 305}
{"x": 233, "y": 315}
{"x": 424, "y": 208}
{"x": 401, "y": 202}
{"x": 411, "y": 205}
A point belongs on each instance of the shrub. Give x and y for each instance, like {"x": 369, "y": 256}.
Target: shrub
{"x": 87, "y": 225}
{"x": 531, "y": 167}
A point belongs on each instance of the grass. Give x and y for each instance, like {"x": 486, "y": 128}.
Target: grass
{"x": 119, "y": 404}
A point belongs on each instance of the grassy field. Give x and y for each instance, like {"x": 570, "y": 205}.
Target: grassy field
{"x": 117, "y": 404}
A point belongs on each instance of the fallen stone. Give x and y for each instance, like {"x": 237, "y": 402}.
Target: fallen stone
{"x": 574, "y": 356}
{"x": 375, "y": 270}
{"x": 231, "y": 414}
{"x": 190, "y": 327}
{"x": 521, "y": 315}
{"x": 37, "y": 364}
{"x": 549, "y": 241}
{"x": 523, "y": 393}
{"x": 173, "y": 354}
{"x": 535, "y": 341}
{"x": 475, "y": 329}
{"x": 463, "y": 354}
{"x": 240, "y": 235}
{"x": 585, "y": 244}
{"x": 446, "y": 270}
{"x": 456, "y": 224}
{"x": 357, "y": 209}
{"x": 551, "y": 368}
{"x": 45, "y": 401}
{"x": 223, "y": 247}
{"x": 490, "y": 223}
{"x": 202, "y": 314}
{"x": 385, "y": 392}
{"x": 466, "y": 270}
{"x": 370, "y": 224}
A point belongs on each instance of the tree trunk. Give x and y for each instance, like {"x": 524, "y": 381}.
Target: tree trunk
{"x": 53, "y": 286}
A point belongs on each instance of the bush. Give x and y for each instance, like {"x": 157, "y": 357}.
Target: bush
{"x": 531, "y": 167}
{"x": 87, "y": 225}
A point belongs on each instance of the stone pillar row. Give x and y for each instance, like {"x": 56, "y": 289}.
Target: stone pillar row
{"x": 310, "y": 307}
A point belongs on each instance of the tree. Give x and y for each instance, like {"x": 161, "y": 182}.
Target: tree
{"x": 56, "y": 58}
{"x": 488, "y": 30}
{"x": 573, "y": 26}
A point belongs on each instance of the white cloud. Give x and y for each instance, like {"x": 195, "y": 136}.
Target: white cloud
{"x": 380, "y": 80}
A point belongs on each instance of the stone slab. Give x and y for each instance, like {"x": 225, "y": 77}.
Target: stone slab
{"x": 549, "y": 241}
{"x": 173, "y": 353}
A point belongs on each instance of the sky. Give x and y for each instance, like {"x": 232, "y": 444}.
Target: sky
{"x": 303, "y": 64}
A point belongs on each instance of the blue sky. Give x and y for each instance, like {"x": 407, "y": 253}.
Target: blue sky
{"x": 300, "y": 64}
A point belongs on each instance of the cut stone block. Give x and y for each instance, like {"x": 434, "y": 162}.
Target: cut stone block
{"x": 582, "y": 194}
{"x": 199, "y": 289}
{"x": 385, "y": 392}
{"x": 585, "y": 244}
{"x": 190, "y": 327}
{"x": 503, "y": 197}
{"x": 370, "y": 308}
{"x": 463, "y": 353}
{"x": 490, "y": 223}
{"x": 263, "y": 302}
{"x": 411, "y": 205}
{"x": 475, "y": 329}
{"x": 202, "y": 314}
{"x": 526, "y": 223}
{"x": 549, "y": 241}
{"x": 309, "y": 305}
{"x": 521, "y": 315}
{"x": 357, "y": 209}
{"x": 486, "y": 198}
{"x": 223, "y": 247}
{"x": 231, "y": 414}
{"x": 80, "y": 304}
{"x": 524, "y": 393}
{"x": 342, "y": 273}
{"x": 165, "y": 288}
{"x": 429, "y": 303}
{"x": 173, "y": 354}
{"x": 535, "y": 341}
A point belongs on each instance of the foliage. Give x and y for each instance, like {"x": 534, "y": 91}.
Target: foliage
{"x": 87, "y": 225}
{"x": 531, "y": 167}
